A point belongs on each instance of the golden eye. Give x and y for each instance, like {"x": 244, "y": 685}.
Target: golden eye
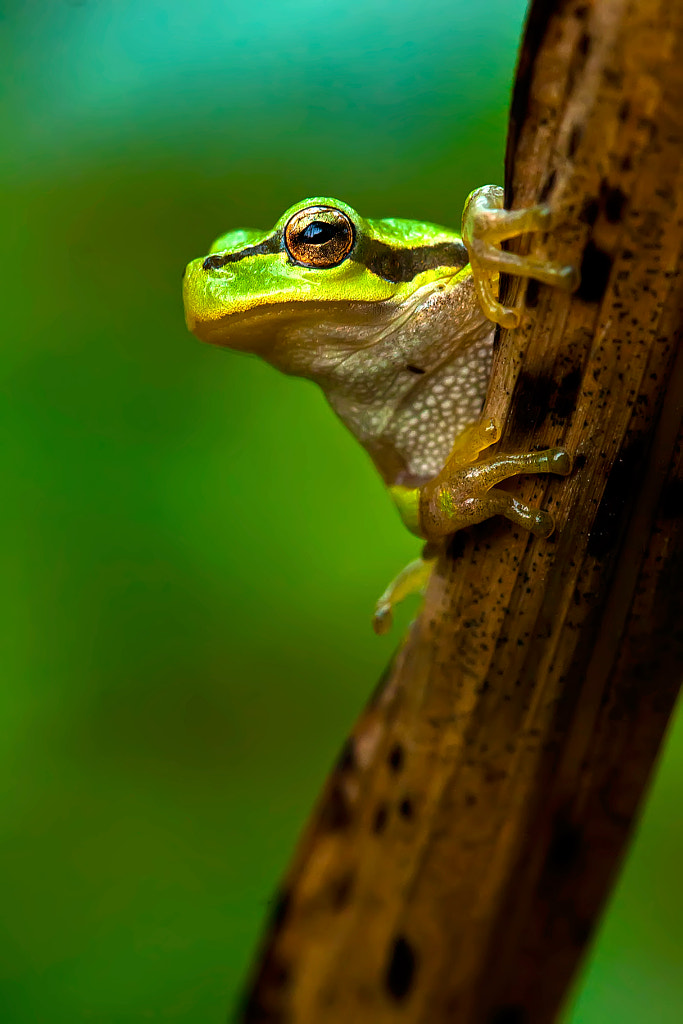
{"x": 319, "y": 236}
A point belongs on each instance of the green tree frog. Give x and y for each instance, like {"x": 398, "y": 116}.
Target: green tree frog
{"x": 394, "y": 319}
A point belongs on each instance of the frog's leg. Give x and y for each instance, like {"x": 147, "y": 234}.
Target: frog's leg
{"x": 485, "y": 224}
{"x": 464, "y": 492}
{"x": 411, "y": 580}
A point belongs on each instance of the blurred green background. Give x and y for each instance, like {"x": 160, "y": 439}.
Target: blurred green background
{"x": 182, "y": 660}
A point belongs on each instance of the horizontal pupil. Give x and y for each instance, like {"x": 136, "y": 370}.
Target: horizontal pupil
{"x": 318, "y": 232}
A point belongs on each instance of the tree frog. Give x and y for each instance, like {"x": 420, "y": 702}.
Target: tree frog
{"x": 394, "y": 319}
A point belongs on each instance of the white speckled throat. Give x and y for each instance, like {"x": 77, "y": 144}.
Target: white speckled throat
{"x": 414, "y": 383}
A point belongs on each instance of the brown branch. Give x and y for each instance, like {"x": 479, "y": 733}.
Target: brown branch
{"x": 469, "y": 836}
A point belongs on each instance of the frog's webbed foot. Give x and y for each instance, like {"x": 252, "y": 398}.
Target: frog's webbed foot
{"x": 411, "y": 580}
{"x": 485, "y": 224}
{"x": 464, "y": 492}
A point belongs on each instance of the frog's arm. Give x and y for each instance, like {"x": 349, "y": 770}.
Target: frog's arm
{"x": 464, "y": 492}
{"x": 485, "y": 224}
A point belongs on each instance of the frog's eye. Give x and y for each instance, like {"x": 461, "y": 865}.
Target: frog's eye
{"x": 319, "y": 236}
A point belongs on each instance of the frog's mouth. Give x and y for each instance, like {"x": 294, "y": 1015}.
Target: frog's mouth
{"x": 225, "y": 309}
{"x": 294, "y": 335}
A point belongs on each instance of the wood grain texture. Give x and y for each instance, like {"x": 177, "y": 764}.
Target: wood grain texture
{"x": 471, "y": 831}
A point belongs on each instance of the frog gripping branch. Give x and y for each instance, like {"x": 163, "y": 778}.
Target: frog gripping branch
{"x": 465, "y": 843}
{"x": 394, "y": 320}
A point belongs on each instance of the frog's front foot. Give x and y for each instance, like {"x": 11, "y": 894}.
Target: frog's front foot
{"x": 485, "y": 224}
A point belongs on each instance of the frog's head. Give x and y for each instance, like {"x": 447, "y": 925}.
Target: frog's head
{"x": 315, "y": 282}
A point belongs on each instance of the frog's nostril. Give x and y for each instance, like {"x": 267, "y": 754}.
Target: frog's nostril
{"x": 212, "y": 263}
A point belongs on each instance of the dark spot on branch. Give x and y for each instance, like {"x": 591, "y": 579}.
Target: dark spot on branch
{"x": 414, "y": 369}
{"x": 405, "y": 808}
{"x": 567, "y": 394}
{"x": 619, "y": 492}
{"x": 595, "y": 270}
{"x": 510, "y": 1014}
{"x": 347, "y": 758}
{"x": 256, "y": 1011}
{"x": 615, "y": 201}
{"x": 547, "y": 187}
{"x": 263, "y": 1004}
{"x": 532, "y": 290}
{"x": 578, "y": 62}
{"x": 531, "y": 400}
{"x": 340, "y": 890}
{"x": 396, "y": 757}
{"x": 335, "y": 815}
{"x": 589, "y": 212}
{"x": 380, "y": 819}
{"x": 283, "y": 902}
{"x": 456, "y": 547}
{"x": 400, "y": 969}
{"x": 579, "y": 461}
{"x": 575, "y": 137}
{"x": 430, "y": 550}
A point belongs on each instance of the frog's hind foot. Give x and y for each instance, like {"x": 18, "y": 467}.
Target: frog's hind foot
{"x": 411, "y": 580}
{"x": 463, "y": 495}
{"x": 485, "y": 224}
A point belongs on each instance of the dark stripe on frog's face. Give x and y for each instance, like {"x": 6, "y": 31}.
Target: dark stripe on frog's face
{"x": 400, "y": 265}
{"x": 393, "y": 263}
{"x": 268, "y": 247}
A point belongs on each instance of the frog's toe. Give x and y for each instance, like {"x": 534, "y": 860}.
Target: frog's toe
{"x": 411, "y": 580}
{"x": 566, "y": 277}
{"x": 486, "y": 282}
{"x": 383, "y": 618}
{"x": 536, "y": 520}
{"x": 559, "y": 461}
{"x": 540, "y": 522}
{"x": 506, "y": 316}
{"x": 547, "y": 460}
